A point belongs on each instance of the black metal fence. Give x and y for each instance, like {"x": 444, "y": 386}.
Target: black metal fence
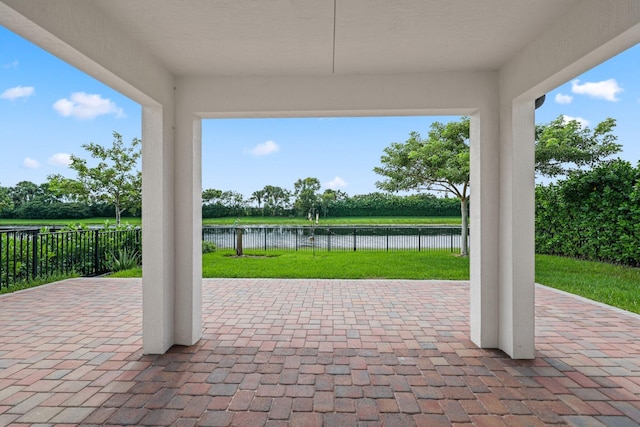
{"x": 28, "y": 254}
{"x": 337, "y": 238}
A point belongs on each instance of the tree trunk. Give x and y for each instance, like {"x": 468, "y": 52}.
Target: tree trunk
{"x": 464, "y": 235}
{"x": 118, "y": 213}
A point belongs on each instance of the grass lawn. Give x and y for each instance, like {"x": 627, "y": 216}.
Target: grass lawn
{"x": 406, "y": 220}
{"x": 8, "y": 222}
{"x": 614, "y": 285}
{"x": 330, "y": 265}
{"x": 403, "y": 220}
{"x": 611, "y": 284}
{"x": 33, "y": 283}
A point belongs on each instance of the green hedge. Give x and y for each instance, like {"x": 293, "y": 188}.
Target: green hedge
{"x": 383, "y": 204}
{"x": 592, "y": 215}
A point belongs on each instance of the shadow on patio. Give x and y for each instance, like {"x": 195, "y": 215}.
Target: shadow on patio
{"x": 312, "y": 353}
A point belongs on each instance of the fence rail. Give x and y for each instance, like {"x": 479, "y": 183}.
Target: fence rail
{"x": 337, "y": 238}
{"x": 28, "y": 254}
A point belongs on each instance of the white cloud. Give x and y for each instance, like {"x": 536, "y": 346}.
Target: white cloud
{"x": 18, "y": 92}
{"x": 583, "y": 122}
{"x": 606, "y": 89}
{"x": 84, "y": 106}
{"x": 265, "y": 148}
{"x": 561, "y": 98}
{"x": 30, "y": 163}
{"x": 60, "y": 159}
{"x": 13, "y": 64}
{"x": 336, "y": 183}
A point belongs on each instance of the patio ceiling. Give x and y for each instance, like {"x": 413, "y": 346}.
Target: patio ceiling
{"x": 325, "y": 37}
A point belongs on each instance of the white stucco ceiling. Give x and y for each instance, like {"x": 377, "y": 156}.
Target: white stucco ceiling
{"x": 324, "y": 37}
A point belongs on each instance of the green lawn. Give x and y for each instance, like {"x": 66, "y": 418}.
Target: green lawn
{"x": 611, "y": 284}
{"x": 404, "y": 220}
{"x": 409, "y": 220}
{"x": 38, "y": 282}
{"x": 7, "y": 222}
{"x": 614, "y": 285}
{"x": 331, "y": 265}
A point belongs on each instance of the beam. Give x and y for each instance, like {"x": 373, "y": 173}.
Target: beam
{"x": 81, "y": 35}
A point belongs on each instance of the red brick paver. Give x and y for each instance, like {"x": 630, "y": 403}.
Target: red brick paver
{"x": 311, "y": 353}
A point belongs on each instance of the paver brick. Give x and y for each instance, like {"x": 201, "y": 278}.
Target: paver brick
{"x": 311, "y": 353}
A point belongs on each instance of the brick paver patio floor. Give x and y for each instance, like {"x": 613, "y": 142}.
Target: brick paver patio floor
{"x": 310, "y": 353}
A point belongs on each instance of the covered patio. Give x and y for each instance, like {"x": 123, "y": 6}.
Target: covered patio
{"x": 186, "y": 61}
{"x": 311, "y": 353}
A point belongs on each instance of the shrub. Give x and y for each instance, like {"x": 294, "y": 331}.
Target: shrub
{"x": 125, "y": 259}
{"x": 208, "y": 247}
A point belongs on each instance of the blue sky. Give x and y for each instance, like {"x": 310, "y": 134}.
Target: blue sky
{"x": 48, "y": 109}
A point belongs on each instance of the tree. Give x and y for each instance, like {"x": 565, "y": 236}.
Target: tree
{"x": 233, "y": 200}
{"x": 563, "y": 147}
{"x": 5, "y": 200}
{"x": 276, "y": 199}
{"x": 114, "y": 180}
{"x": 439, "y": 163}
{"x": 306, "y": 193}
{"x": 258, "y": 196}
{"x": 23, "y": 192}
{"x": 211, "y": 196}
{"x": 329, "y": 197}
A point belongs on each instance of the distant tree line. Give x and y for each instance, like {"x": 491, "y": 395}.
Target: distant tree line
{"x": 27, "y": 200}
{"x": 306, "y": 200}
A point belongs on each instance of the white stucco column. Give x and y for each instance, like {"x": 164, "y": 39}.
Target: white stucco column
{"x": 484, "y": 213}
{"x": 516, "y": 229}
{"x": 158, "y": 272}
{"x": 188, "y": 227}
{"x": 172, "y": 228}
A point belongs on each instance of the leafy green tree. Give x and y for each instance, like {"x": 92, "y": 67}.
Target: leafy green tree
{"x": 114, "y": 180}
{"x": 276, "y": 199}
{"x": 5, "y": 199}
{"x": 258, "y": 196}
{"x": 306, "y": 196}
{"x": 563, "y": 147}
{"x": 211, "y": 196}
{"x": 233, "y": 200}
{"x": 439, "y": 163}
{"x": 23, "y": 192}
{"x": 329, "y": 197}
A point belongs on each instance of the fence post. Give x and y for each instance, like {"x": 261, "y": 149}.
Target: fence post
{"x": 387, "y": 239}
{"x": 96, "y": 248}
{"x": 34, "y": 240}
{"x": 354, "y": 239}
{"x": 265, "y": 238}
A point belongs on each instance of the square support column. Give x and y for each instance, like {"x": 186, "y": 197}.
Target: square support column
{"x": 502, "y": 229}
{"x": 172, "y": 229}
{"x": 517, "y": 229}
{"x": 484, "y": 213}
{"x": 188, "y": 228}
{"x": 158, "y": 245}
